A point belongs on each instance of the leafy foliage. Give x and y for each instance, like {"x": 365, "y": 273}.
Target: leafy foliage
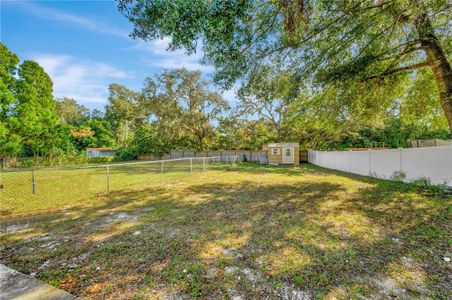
{"x": 323, "y": 44}
{"x": 178, "y": 109}
{"x": 123, "y": 112}
{"x": 9, "y": 139}
{"x": 182, "y": 109}
{"x": 70, "y": 112}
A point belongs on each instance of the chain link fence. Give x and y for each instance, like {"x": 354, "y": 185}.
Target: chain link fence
{"x": 54, "y": 187}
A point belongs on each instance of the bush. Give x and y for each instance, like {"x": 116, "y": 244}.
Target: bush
{"x": 24, "y": 163}
{"x": 399, "y": 176}
{"x": 100, "y": 160}
{"x": 424, "y": 184}
{"x": 126, "y": 153}
{"x": 56, "y": 157}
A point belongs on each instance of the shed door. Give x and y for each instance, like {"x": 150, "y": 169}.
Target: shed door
{"x": 288, "y": 156}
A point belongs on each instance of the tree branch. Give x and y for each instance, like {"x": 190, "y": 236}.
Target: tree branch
{"x": 401, "y": 69}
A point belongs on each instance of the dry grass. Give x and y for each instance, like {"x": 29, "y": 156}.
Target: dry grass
{"x": 252, "y": 231}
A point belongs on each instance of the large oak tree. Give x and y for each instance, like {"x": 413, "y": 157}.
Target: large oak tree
{"x": 183, "y": 107}
{"x": 321, "y": 42}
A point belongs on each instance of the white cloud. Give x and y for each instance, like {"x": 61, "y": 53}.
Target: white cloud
{"x": 84, "y": 80}
{"x": 230, "y": 95}
{"x": 66, "y": 17}
{"x": 161, "y": 58}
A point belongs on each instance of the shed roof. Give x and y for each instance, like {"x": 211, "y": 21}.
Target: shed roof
{"x": 273, "y": 145}
{"x": 100, "y": 149}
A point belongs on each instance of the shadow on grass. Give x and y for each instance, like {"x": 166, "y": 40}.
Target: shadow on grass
{"x": 365, "y": 237}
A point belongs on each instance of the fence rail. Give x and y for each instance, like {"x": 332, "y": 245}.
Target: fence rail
{"x": 55, "y": 184}
{"x": 430, "y": 162}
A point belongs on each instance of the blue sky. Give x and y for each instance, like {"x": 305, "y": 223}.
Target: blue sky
{"x": 84, "y": 46}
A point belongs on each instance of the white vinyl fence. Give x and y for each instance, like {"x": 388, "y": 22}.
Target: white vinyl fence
{"x": 431, "y": 162}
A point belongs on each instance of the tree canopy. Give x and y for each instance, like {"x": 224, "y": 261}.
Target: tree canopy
{"x": 71, "y": 112}
{"x": 323, "y": 44}
{"x": 9, "y": 139}
{"x": 182, "y": 105}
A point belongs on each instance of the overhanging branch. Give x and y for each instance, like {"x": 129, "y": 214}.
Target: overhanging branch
{"x": 398, "y": 70}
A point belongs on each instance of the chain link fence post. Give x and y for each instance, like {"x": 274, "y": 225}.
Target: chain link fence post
{"x": 108, "y": 180}
{"x": 33, "y": 189}
{"x": 204, "y": 164}
{"x": 191, "y": 165}
{"x": 350, "y": 161}
{"x": 161, "y": 171}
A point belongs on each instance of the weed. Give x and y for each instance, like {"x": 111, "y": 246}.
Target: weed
{"x": 424, "y": 185}
{"x": 297, "y": 279}
{"x": 399, "y": 176}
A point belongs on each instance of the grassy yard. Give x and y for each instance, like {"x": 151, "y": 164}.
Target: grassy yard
{"x": 250, "y": 231}
{"x": 66, "y": 186}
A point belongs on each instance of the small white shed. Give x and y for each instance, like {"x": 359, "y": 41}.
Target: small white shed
{"x": 283, "y": 153}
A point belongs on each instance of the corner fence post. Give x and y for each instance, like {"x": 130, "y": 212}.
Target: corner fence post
{"x": 349, "y": 161}
{"x": 108, "y": 180}
{"x": 33, "y": 190}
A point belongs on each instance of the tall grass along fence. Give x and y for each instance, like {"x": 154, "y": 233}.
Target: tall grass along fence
{"x": 408, "y": 164}
{"x": 66, "y": 184}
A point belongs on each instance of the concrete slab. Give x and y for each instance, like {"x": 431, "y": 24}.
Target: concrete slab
{"x": 16, "y": 285}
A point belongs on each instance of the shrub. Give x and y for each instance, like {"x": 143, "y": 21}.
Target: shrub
{"x": 25, "y": 162}
{"x": 56, "y": 157}
{"x": 399, "y": 176}
{"x": 424, "y": 184}
{"x": 100, "y": 160}
{"x": 126, "y": 153}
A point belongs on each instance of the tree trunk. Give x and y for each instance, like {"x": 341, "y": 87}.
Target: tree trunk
{"x": 438, "y": 63}
{"x": 278, "y": 132}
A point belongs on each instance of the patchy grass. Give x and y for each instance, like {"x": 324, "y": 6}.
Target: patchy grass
{"x": 251, "y": 231}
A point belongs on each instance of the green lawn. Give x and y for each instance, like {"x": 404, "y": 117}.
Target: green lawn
{"x": 66, "y": 187}
{"x": 250, "y": 231}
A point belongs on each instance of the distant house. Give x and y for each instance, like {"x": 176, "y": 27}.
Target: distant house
{"x": 283, "y": 153}
{"x": 99, "y": 152}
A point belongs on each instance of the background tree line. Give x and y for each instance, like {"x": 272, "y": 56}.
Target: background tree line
{"x": 178, "y": 109}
